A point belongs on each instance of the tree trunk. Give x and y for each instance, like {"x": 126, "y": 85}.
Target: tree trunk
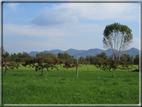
{"x": 113, "y": 69}
{"x": 77, "y": 71}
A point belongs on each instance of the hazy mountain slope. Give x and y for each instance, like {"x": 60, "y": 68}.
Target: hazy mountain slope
{"x": 84, "y": 53}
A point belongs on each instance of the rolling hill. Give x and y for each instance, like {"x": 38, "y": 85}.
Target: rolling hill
{"x": 84, "y": 53}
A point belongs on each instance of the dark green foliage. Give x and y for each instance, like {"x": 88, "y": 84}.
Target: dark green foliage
{"x": 81, "y": 60}
{"x": 64, "y": 56}
{"x": 136, "y": 60}
{"x": 110, "y": 63}
{"x": 20, "y": 57}
{"x": 115, "y": 28}
{"x": 45, "y": 55}
{"x": 62, "y": 61}
{"x": 5, "y": 54}
{"x": 123, "y": 58}
{"x": 126, "y": 57}
{"x": 102, "y": 55}
{"x": 60, "y": 55}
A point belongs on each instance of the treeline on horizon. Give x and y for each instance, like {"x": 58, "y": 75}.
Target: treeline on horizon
{"x": 63, "y": 57}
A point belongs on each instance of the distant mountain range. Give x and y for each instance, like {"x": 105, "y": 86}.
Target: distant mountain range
{"x": 84, "y": 53}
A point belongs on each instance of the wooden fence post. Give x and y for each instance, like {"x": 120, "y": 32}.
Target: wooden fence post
{"x": 77, "y": 67}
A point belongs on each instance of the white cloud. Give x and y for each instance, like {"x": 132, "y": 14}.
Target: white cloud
{"x": 12, "y": 5}
{"x": 72, "y": 12}
{"x": 103, "y": 11}
{"x": 53, "y": 17}
{"x": 11, "y": 29}
{"x": 52, "y": 32}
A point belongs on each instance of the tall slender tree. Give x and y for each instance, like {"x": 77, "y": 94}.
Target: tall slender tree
{"x": 117, "y": 37}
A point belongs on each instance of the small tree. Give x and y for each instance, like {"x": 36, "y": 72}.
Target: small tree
{"x": 40, "y": 64}
{"x": 69, "y": 65}
{"x": 9, "y": 64}
{"x": 60, "y": 55}
{"x": 117, "y": 37}
{"x": 102, "y": 55}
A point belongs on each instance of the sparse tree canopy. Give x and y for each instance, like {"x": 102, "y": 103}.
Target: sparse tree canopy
{"x": 117, "y": 37}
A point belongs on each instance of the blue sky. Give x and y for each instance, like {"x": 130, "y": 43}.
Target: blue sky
{"x": 45, "y": 26}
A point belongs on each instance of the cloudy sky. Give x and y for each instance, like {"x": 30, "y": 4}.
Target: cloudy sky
{"x": 45, "y": 26}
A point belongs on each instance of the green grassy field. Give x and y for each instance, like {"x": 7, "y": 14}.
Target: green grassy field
{"x": 25, "y": 86}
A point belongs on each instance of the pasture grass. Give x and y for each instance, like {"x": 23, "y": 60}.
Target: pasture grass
{"x": 26, "y": 86}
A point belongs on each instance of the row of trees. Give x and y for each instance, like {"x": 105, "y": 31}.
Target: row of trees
{"x": 37, "y": 63}
{"x": 124, "y": 57}
{"x": 41, "y": 63}
{"x": 63, "y": 57}
{"x": 20, "y": 57}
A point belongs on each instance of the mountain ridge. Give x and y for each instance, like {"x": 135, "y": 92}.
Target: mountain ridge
{"x": 84, "y": 53}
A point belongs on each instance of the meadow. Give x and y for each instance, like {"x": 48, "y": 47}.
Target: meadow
{"x": 26, "y": 86}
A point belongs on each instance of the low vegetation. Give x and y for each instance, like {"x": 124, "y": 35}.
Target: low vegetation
{"x": 25, "y": 86}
